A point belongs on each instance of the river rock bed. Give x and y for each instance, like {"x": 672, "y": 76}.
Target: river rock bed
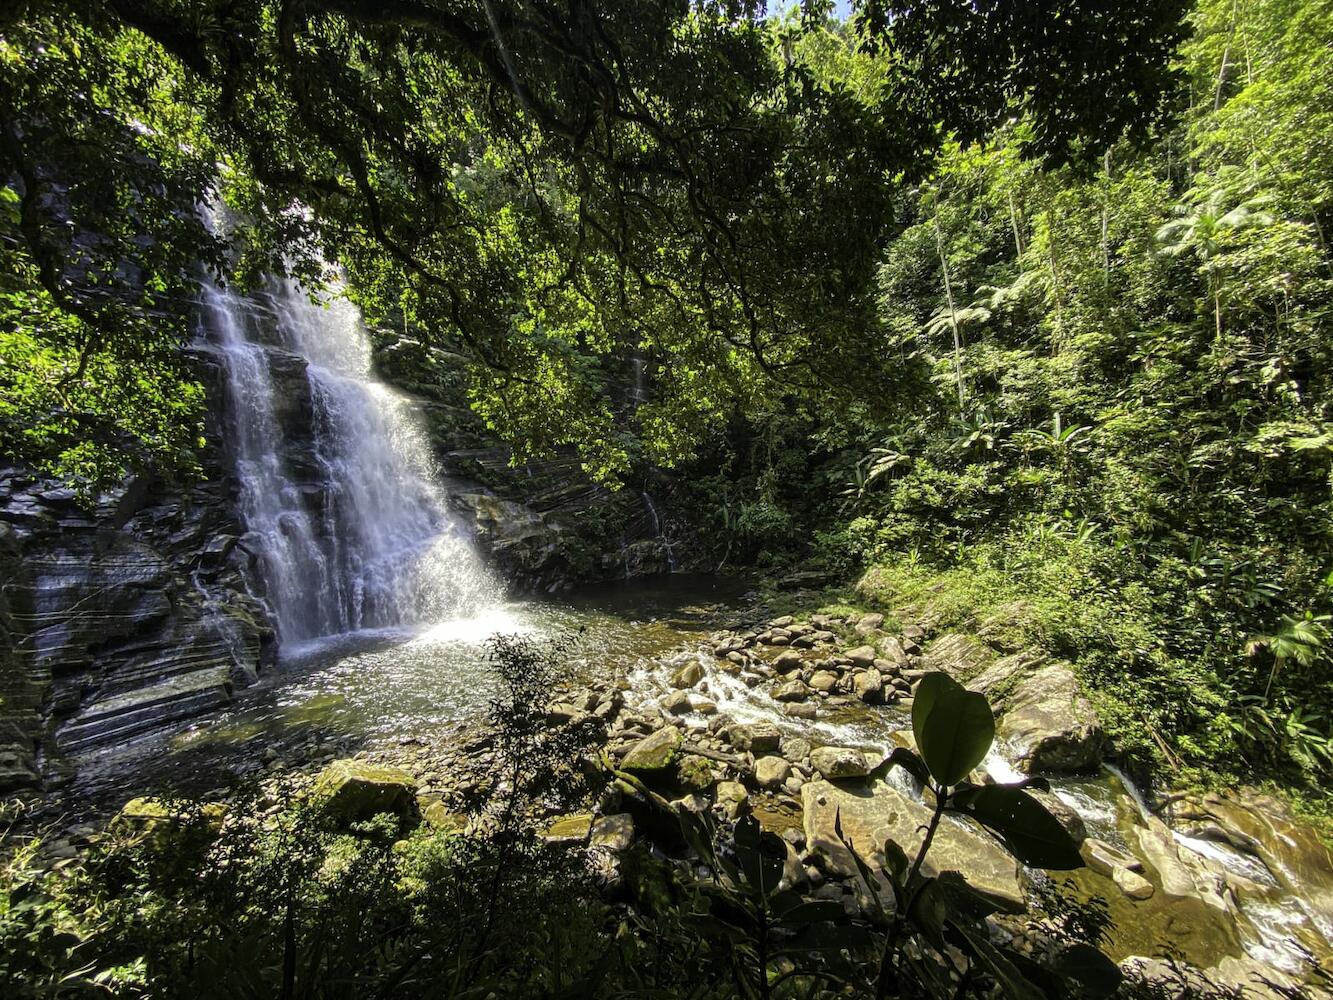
{"x": 786, "y": 720}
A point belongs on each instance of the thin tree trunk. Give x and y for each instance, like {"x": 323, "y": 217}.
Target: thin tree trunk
{"x": 953, "y": 312}
{"x": 1226, "y": 62}
{"x": 1106, "y": 211}
{"x": 1013, "y": 221}
{"x": 1055, "y": 284}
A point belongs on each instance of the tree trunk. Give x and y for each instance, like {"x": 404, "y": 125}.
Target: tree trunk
{"x": 953, "y": 312}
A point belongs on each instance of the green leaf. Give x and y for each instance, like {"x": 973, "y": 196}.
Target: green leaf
{"x": 1013, "y": 983}
{"x": 867, "y": 876}
{"x": 813, "y": 912}
{"x": 907, "y": 760}
{"x": 954, "y": 727}
{"x": 930, "y": 910}
{"x": 895, "y": 858}
{"x": 1028, "y": 830}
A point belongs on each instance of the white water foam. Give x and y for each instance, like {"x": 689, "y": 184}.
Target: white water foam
{"x": 337, "y": 479}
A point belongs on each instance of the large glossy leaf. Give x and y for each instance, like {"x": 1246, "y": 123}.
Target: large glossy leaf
{"x": 930, "y": 910}
{"x": 1030, "y": 832}
{"x": 954, "y": 727}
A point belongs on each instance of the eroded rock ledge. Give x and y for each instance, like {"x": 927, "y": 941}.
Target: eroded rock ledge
{"x": 117, "y": 619}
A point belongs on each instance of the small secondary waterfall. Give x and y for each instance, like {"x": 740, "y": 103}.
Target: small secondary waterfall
{"x": 338, "y": 482}
{"x": 658, "y": 529}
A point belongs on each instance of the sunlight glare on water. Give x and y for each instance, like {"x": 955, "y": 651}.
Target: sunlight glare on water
{"x": 504, "y": 619}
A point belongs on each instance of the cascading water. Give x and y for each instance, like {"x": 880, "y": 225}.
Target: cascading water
{"x": 658, "y": 531}
{"x": 338, "y": 485}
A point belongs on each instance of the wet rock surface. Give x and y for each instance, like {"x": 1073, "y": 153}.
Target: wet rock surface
{"x": 118, "y": 617}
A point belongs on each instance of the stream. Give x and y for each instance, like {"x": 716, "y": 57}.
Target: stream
{"x": 384, "y": 686}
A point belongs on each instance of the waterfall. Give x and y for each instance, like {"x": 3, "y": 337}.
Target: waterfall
{"x": 338, "y": 484}
{"x": 658, "y": 530}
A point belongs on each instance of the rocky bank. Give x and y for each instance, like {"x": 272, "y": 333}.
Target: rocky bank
{"x": 787, "y": 720}
{"x": 117, "y": 618}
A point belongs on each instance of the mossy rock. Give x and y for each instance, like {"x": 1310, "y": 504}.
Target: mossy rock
{"x": 572, "y": 829}
{"x": 151, "y": 815}
{"x": 353, "y": 790}
{"x": 695, "y": 773}
{"x": 653, "y": 753}
{"x": 436, "y": 815}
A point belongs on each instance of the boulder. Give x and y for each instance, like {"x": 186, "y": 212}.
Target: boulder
{"x": 757, "y": 737}
{"x": 612, "y": 833}
{"x": 869, "y": 686}
{"x": 870, "y": 816}
{"x": 732, "y": 799}
{"x": 677, "y": 703}
{"x": 788, "y": 661}
{"x": 436, "y": 815}
{"x": 1049, "y": 725}
{"x": 795, "y": 748}
{"x": 1174, "y": 873}
{"x": 892, "y": 650}
{"x": 869, "y": 623}
{"x": 960, "y": 656}
{"x": 653, "y": 753}
{"x": 1000, "y": 676}
{"x": 771, "y": 772}
{"x": 839, "y": 762}
{"x": 562, "y": 713}
{"x": 861, "y": 656}
{"x": 150, "y": 815}
{"x": 792, "y": 691}
{"x": 1133, "y": 885}
{"x": 1104, "y": 859}
{"x": 800, "y": 710}
{"x": 354, "y": 790}
{"x": 824, "y": 680}
{"x": 695, "y": 773}
{"x": 688, "y": 676}
{"x": 569, "y": 830}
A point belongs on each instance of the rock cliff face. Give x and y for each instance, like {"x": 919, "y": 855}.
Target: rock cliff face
{"x": 547, "y": 527}
{"x": 116, "y": 620}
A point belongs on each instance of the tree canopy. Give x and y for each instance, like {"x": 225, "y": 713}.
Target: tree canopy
{"x": 551, "y": 185}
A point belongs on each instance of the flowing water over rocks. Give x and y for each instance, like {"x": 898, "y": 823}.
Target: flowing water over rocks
{"x": 1232, "y": 884}
{"x": 339, "y": 489}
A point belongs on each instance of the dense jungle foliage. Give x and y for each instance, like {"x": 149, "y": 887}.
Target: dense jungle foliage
{"x": 1021, "y": 307}
{"x": 1116, "y": 435}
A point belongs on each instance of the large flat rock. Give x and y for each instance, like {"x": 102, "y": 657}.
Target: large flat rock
{"x": 878, "y": 811}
